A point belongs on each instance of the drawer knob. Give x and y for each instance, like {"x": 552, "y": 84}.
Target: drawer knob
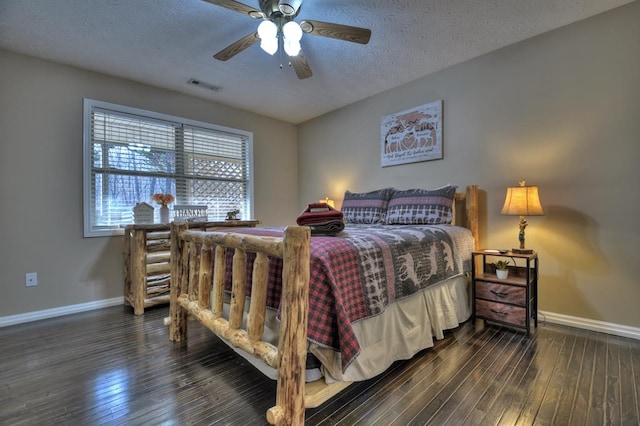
{"x": 499, "y": 293}
{"x": 499, "y": 312}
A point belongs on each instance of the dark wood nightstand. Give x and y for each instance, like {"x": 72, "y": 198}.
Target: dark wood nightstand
{"x": 512, "y": 301}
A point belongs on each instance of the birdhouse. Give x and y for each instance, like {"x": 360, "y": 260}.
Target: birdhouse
{"x": 143, "y": 213}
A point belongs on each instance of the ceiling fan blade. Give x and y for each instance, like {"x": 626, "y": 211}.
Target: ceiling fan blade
{"x": 237, "y": 47}
{"x": 300, "y": 66}
{"x": 338, "y": 31}
{"x": 238, "y": 7}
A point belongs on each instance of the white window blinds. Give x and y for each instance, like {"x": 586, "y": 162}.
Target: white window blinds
{"x": 131, "y": 154}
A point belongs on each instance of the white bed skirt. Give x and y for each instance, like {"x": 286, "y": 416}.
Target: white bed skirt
{"x": 408, "y": 326}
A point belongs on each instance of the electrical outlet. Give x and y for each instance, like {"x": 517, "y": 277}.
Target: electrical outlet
{"x": 31, "y": 279}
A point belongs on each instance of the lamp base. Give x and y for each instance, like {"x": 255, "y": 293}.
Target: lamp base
{"x": 521, "y": 251}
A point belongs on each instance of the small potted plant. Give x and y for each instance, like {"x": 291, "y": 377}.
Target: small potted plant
{"x": 501, "y": 269}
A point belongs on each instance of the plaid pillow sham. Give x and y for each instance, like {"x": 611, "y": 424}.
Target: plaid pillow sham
{"x": 366, "y": 207}
{"x": 421, "y": 206}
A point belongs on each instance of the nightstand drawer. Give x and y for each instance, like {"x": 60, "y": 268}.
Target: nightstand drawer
{"x": 501, "y": 293}
{"x": 501, "y": 312}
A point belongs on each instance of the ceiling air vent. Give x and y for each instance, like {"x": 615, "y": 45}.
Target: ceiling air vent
{"x": 200, "y": 83}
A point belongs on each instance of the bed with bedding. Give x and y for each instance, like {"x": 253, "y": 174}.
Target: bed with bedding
{"x": 379, "y": 291}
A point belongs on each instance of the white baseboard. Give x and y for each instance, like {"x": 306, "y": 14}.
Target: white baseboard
{"x": 58, "y": 312}
{"x": 593, "y": 325}
{"x": 552, "y": 317}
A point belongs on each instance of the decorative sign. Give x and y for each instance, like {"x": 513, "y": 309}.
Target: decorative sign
{"x": 190, "y": 213}
{"x": 412, "y": 135}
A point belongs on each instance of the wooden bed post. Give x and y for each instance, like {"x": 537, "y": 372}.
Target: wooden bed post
{"x": 126, "y": 252}
{"x": 217, "y": 297}
{"x": 238, "y": 289}
{"x": 292, "y": 346}
{"x": 471, "y": 198}
{"x": 178, "y": 315}
{"x": 139, "y": 270}
{"x": 204, "y": 277}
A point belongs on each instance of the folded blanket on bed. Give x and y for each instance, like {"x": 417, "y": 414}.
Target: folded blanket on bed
{"x": 331, "y": 227}
{"x": 322, "y": 219}
{"x": 318, "y": 213}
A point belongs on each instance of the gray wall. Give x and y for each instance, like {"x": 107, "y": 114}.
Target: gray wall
{"x": 560, "y": 110}
{"x": 41, "y": 178}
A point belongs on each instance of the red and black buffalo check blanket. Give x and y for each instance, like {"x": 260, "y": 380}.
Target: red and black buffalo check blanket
{"x": 358, "y": 273}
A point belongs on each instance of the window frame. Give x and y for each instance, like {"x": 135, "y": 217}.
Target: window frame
{"x": 89, "y": 104}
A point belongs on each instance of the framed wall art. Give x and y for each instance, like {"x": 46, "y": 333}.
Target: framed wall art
{"x": 412, "y": 135}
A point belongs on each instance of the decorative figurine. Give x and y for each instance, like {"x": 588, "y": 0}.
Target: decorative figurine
{"x": 233, "y": 215}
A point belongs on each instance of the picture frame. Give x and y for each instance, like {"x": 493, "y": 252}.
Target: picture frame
{"x": 412, "y": 135}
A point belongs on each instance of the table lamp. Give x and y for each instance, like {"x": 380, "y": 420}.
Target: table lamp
{"x": 522, "y": 201}
{"x": 328, "y": 201}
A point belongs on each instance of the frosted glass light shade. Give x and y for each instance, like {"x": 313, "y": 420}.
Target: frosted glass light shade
{"x": 268, "y": 33}
{"x": 292, "y": 31}
{"x": 267, "y": 30}
{"x": 269, "y": 45}
{"x": 292, "y": 47}
{"x": 292, "y": 35}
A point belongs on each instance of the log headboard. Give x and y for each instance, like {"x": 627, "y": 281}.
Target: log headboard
{"x": 465, "y": 211}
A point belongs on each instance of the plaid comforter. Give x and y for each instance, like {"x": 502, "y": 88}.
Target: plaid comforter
{"x": 358, "y": 273}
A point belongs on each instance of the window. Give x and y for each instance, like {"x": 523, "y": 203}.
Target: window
{"x": 131, "y": 154}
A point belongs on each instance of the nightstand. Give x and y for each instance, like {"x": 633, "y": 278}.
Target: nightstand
{"x": 512, "y": 301}
{"x": 147, "y": 258}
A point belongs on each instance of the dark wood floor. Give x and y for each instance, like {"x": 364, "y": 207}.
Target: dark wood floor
{"x": 108, "y": 367}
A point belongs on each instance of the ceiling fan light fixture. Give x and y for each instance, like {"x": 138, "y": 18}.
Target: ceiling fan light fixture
{"x": 268, "y": 33}
{"x": 289, "y": 7}
{"x": 267, "y": 30}
{"x": 269, "y": 45}
{"x": 292, "y": 47}
{"x": 277, "y": 21}
{"x": 292, "y": 31}
{"x": 306, "y": 26}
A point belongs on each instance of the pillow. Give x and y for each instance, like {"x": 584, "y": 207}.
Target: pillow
{"x": 421, "y": 206}
{"x": 366, "y": 207}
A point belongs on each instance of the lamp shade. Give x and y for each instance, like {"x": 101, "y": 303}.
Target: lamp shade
{"x": 522, "y": 201}
{"x": 328, "y": 201}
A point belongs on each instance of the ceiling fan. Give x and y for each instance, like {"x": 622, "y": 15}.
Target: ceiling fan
{"x": 279, "y": 28}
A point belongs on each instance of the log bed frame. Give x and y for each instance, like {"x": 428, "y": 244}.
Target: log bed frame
{"x": 195, "y": 292}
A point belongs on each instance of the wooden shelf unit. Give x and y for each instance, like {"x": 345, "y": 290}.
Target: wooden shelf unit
{"x": 512, "y": 301}
{"x": 147, "y": 266}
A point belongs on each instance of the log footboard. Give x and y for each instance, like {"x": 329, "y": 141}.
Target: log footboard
{"x": 198, "y": 261}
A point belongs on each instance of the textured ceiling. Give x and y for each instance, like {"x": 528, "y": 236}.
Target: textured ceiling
{"x": 167, "y": 42}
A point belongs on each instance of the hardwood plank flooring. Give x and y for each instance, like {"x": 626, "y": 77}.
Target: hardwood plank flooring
{"x": 109, "y": 367}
